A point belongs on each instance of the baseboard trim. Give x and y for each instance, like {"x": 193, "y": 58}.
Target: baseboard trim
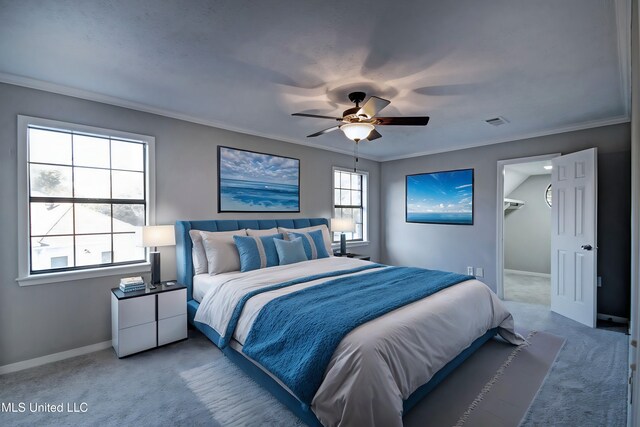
{"x": 612, "y": 318}
{"x": 55, "y": 357}
{"x": 527, "y": 273}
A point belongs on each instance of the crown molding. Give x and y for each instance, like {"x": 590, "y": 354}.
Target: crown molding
{"x": 552, "y": 131}
{"x": 119, "y": 102}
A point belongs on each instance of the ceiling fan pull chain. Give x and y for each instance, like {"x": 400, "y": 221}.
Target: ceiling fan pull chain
{"x": 355, "y": 158}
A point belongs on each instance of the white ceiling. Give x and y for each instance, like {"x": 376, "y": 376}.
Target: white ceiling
{"x": 544, "y": 65}
{"x": 516, "y": 174}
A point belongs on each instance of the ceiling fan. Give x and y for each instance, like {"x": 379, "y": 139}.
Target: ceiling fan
{"x": 358, "y": 123}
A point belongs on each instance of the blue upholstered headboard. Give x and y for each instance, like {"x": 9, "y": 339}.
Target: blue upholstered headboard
{"x": 184, "y": 262}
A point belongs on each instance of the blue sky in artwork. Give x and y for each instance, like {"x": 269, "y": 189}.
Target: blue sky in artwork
{"x": 243, "y": 165}
{"x": 440, "y": 192}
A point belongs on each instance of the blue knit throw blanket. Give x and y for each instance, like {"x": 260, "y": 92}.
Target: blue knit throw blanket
{"x": 237, "y": 311}
{"x": 295, "y": 335}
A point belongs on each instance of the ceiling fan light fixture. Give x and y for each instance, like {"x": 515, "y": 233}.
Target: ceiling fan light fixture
{"x": 357, "y": 131}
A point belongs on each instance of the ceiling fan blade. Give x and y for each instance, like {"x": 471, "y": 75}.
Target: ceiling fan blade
{"x": 373, "y": 106}
{"x": 374, "y": 135}
{"x": 402, "y": 121}
{"x": 322, "y": 132}
{"x": 315, "y": 116}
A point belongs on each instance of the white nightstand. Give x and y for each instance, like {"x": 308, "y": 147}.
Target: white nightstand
{"x": 147, "y": 319}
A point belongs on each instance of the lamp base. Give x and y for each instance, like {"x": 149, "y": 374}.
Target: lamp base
{"x": 343, "y": 244}
{"x": 154, "y": 258}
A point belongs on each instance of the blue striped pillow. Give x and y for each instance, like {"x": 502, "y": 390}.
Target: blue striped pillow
{"x": 257, "y": 251}
{"x": 313, "y": 243}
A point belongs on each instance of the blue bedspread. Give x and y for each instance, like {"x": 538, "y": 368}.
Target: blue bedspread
{"x": 235, "y": 316}
{"x": 294, "y": 336}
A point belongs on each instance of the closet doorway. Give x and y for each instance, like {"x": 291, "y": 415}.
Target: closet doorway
{"x": 525, "y": 228}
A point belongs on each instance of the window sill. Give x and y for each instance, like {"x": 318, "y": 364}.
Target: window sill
{"x": 69, "y": 276}
{"x": 335, "y": 245}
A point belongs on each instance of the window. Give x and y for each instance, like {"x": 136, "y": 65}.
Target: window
{"x": 350, "y": 201}
{"x": 85, "y": 192}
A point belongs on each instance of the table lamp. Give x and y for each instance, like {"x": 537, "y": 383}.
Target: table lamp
{"x": 152, "y": 237}
{"x": 342, "y": 225}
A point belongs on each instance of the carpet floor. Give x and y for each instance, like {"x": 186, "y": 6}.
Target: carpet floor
{"x": 586, "y": 386}
{"x": 527, "y": 288}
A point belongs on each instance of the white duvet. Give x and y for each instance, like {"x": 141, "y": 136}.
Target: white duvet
{"x": 379, "y": 364}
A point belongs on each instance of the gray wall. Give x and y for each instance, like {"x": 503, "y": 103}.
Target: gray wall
{"x": 527, "y": 231}
{"x": 451, "y": 247}
{"x": 45, "y": 319}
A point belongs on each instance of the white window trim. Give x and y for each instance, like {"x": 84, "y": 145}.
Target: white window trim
{"x": 24, "y": 276}
{"x": 365, "y": 206}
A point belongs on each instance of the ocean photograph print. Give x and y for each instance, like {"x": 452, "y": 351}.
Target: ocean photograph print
{"x": 257, "y": 182}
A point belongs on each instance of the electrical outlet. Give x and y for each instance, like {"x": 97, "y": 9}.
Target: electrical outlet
{"x": 479, "y": 272}
{"x": 599, "y": 281}
{"x": 470, "y": 271}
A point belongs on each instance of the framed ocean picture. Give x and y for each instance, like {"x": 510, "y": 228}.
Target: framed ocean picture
{"x": 257, "y": 182}
{"x": 440, "y": 197}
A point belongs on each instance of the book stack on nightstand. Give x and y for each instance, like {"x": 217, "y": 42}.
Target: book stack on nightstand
{"x": 148, "y": 318}
{"x": 132, "y": 284}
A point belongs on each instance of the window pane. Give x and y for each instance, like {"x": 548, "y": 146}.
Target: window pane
{"x": 355, "y": 198}
{"x": 358, "y": 233}
{"x": 92, "y": 218}
{"x": 50, "y": 181}
{"x": 344, "y": 197}
{"x": 357, "y": 216}
{"x": 345, "y": 180}
{"x": 51, "y": 218}
{"x": 51, "y": 252}
{"x": 90, "y": 151}
{"x": 127, "y": 155}
{"x": 336, "y": 179}
{"x": 127, "y": 217}
{"x": 47, "y": 146}
{"x": 91, "y": 183}
{"x": 128, "y": 185}
{"x": 336, "y": 197}
{"x": 355, "y": 182}
{"x": 89, "y": 249}
{"x": 125, "y": 249}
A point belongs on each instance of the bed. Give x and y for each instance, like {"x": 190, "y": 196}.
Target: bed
{"x": 374, "y": 374}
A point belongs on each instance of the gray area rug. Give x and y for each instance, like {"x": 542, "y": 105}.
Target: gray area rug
{"x": 585, "y": 387}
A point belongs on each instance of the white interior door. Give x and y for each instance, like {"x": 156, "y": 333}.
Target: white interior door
{"x": 573, "y": 236}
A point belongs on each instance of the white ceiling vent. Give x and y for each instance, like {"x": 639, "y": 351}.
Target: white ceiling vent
{"x": 497, "y": 121}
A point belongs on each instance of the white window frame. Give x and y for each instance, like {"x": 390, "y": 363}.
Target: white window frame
{"x": 365, "y": 206}
{"x": 25, "y": 277}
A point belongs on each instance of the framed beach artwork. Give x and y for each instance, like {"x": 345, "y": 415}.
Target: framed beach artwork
{"x": 440, "y": 197}
{"x": 257, "y": 182}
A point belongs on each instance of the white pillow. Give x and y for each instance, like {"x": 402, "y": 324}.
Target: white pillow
{"x": 198, "y": 254}
{"x": 325, "y": 234}
{"x": 222, "y": 254}
{"x": 258, "y": 233}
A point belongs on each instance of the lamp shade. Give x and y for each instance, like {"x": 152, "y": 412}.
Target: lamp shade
{"x": 157, "y": 235}
{"x": 342, "y": 225}
{"x": 357, "y": 131}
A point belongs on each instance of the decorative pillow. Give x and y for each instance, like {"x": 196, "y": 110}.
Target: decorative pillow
{"x": 257, "y": 251}
{"x": 313, "y": 242}
{"x": 221, "y": 252}
{"x": 269, "y": 232}
{"x": 325, "y": 233}
{"x": 290, "y": 251}
{"x": 198, "y": 255}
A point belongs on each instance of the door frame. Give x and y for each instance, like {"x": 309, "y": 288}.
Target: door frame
{"x": 500, "y": 213}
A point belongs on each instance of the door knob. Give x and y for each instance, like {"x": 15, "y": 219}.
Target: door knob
{"x": 587, "y": 247}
